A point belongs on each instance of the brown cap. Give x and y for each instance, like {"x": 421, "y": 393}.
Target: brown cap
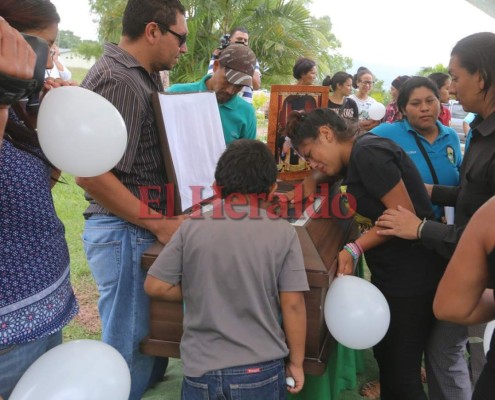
{"x": 239, "y": 62}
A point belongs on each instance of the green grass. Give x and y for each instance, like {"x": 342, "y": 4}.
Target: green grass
{"x": 70, "y": 204}
{"x": 78, "y": 74}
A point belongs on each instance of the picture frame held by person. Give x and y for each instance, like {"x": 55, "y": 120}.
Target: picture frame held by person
{"x": 283, "y": 100}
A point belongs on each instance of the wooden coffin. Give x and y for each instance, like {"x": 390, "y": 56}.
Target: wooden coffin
{"x": 321, "y": 240}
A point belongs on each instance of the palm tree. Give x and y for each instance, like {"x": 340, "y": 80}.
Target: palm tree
{"x": 280, "y": 32}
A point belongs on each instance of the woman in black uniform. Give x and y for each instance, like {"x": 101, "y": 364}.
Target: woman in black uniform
{"x": 380, "y": 175}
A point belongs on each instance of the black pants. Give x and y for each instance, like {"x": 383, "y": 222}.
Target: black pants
{"x": 485, "y": 387}
{"x": 400, "y": 352}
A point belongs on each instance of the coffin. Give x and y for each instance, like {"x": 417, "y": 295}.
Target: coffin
{"x": 322, "y": 236}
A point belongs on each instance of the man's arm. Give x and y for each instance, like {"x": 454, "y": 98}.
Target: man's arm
{"x": 294, "y": 321}
{"x": 155, "y": 287}
{"x": 110, "y": 193}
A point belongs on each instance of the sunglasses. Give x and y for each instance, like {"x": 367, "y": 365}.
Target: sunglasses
{"x": 182, "y": 38}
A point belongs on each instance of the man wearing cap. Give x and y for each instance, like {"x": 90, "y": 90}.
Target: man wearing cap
{"x": 232, "y": 71}
{"x": 239, "y": 34}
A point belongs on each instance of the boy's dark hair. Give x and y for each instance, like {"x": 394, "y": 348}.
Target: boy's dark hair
{"x": 246, "y": 167}
{"x": 138, "y": 13}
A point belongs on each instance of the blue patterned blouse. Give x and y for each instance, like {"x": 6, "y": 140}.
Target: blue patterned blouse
{"x": 36, "y": 297}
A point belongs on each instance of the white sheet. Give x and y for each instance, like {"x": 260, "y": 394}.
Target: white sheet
{"x": 196, "y": 141}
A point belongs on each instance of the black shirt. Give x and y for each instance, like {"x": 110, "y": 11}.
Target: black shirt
{"x": 348, "y": 109}
{"x": 477, "y": 186}
{"x": 399, "y": 267}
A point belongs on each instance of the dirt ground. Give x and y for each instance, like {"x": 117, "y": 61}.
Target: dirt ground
{"x": 87, "y": 296}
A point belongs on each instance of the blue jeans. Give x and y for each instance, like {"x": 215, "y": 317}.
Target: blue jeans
{"x": 16, "y": 359}
{"x": 113, "y": 249}
{"x": 264, "y": 381}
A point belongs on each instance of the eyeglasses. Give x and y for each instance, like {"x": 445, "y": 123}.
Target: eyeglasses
{"x": 182, "y": 38}
{"x": 368, "y": 83}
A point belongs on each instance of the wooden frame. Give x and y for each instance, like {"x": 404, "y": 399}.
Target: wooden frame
{"x": 283, "y": 100}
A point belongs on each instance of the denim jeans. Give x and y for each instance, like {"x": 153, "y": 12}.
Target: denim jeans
{"x": 16, "y": 359}
{"x": 248, "y": 382}
{"x": 113, "y": 249}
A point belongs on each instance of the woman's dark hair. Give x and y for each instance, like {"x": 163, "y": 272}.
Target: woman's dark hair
{"x": 302, "y": 66}
{"x": 339, "y": 78}
{"x": 439, "y": 78}
{"x": 476, "y": 53}
{"x": 22, "y": 137}
{"x": 411, "y": 84}
{"x": 399, "y": 81}
{"x": 357, "y": 76}
{"x": 138, "y": 12}
{"x": 246, "y": 167}
{"x": 301, "y": 125}
{"x": 28, "y": 15}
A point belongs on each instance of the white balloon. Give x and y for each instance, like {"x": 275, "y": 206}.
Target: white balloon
{"x": 81, "y": 132}
{"x": 376, "y": 111}
{"x": 487, "y": 337}
{"x": 77, "y": 370}
{"x": 356, "y": 312}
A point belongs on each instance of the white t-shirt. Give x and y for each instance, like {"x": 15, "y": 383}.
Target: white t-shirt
{"x": 56, "y": 73}
{"x": 363, "y": 106}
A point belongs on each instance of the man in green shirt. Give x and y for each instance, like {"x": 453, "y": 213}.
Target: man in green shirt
{"x": 233, "y": 70}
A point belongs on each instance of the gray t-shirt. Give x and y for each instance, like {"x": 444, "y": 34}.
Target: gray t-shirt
{"x": 231, "y": 271}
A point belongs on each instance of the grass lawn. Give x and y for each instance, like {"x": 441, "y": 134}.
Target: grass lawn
{"x": 78, "y": 74}
{"x": 70, "y": 204}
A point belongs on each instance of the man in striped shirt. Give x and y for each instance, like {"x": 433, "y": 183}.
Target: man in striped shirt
{"x": 116, "y": 232}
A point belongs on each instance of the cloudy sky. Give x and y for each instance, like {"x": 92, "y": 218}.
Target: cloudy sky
{"x": 399, "y": 37}
{"x": 390, "y": 37}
